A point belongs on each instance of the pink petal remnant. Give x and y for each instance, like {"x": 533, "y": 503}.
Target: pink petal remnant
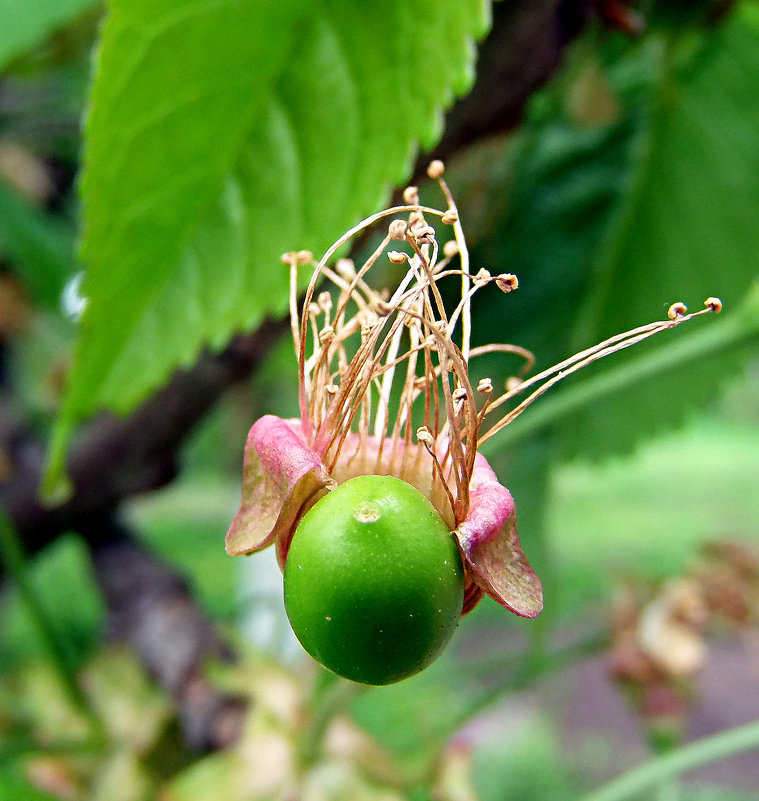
{"x": 282, "y": 478}
{"x": 490, "y": 545}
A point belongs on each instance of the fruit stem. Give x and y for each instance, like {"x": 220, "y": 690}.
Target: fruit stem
{"x": 330, "y": 697}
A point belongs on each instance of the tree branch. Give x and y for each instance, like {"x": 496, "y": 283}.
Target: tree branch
{"x": 117, "y": 458}
{"x": 522, "y": 51}
{"x": 152, "y": 609}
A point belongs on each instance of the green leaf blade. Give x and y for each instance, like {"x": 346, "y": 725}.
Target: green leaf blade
{"x": 685, "y": 232}
{"x": 223, "y": 134}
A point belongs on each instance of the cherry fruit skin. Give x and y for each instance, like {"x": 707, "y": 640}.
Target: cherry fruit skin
{"x": 373, "y": 581}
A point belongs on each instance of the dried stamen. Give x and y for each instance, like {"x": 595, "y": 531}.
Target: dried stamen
{"x": 507, "y": 282}
{"x": 383, "y": 365}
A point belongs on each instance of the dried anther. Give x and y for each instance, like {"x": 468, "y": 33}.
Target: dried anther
{"x": 411, "y": 196}
{"x": 507, "y": 282}
{"x": 423, "y": 234}
{"x": 436, "y": 169}
{"x": 384, "y": 388}
{"x": 297, "y": 257}
{"x": 423, "y": 435}
{"x": 397, "y": 230}
{"x": 450, "y": 249}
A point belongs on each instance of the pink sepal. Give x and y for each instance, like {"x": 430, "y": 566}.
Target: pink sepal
{"x": 282, "y": 477}
{"x": 490, "y": 544}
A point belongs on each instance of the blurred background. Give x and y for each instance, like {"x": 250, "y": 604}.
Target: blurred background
{"x": 608, "y": 155}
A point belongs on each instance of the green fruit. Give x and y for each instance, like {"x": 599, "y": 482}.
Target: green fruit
{"x": 373, "y": 581}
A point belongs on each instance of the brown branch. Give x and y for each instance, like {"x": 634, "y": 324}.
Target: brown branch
{"x": 150, "y": 606}
{"x": 116, "y": 458}
{"x": 153, "y": 610}
{"x": 522, "y": 51}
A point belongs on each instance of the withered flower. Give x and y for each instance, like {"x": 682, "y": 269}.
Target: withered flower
{"x": 385, "y": 388}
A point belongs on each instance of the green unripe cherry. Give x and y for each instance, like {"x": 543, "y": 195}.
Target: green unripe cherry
{"x": 373, "y": 581}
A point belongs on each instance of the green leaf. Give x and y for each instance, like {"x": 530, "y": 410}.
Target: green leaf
{"x": 221, "y": 135}
{"x": 26, "y": 23}
{"x": 565, "y": 181}
{"x": 684, "y": 230}
{"x": 607, "y": 224}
